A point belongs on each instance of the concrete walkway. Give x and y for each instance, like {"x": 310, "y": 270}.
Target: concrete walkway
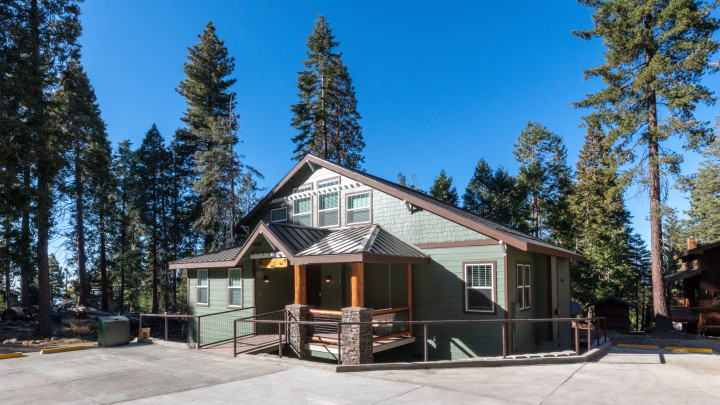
{"x": 161, "y": 375}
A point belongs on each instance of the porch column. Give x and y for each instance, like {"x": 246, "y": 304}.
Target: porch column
{"x": 357, "y": 340}
{"x": 409, "y": 295}
{"x": 357, "y": 284}
{"x": 300, "y": 285}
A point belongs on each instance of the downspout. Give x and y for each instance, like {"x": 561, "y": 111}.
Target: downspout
{"x": 503, "y": 246}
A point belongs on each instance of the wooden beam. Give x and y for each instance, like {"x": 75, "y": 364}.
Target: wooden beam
{"x": 357, "y": 284}
{"x": 409, "y": 295}
{"x": 300, "y": 285}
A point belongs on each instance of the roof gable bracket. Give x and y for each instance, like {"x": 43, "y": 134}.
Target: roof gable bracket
{"x": 245, "y": 229}
{"x": 312, "y": 166}
{"x": 411, "y": 207}
{"x": 503, "y": 245}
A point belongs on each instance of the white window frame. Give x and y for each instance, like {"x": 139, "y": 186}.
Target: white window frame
{"x": 303, "y": 188}
{"x": 310, "y": 212}
{"x": 524, "y": 286}
{"x": 369, "y": 208}
{"x": 337, "y": 208}
{"x": 468, "y": 287}
{"x": 231, "y": 288}
{"x": 335, "y": 181}
{"x": 284, "y": 221}
{"x": 206, "y": 287}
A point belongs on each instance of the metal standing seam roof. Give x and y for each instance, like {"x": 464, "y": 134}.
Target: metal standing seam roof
{"x": 303, "y": 241}
{"x": 223, "y": 255}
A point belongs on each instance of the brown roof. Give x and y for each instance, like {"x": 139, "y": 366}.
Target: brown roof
{"x": 698, "y": 250}
{"x": 512, "y": 237}
{"x": 304, "y": 245}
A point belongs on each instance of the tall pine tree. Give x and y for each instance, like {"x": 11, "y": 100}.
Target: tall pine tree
{"x": 656, "y": 55}
{"x": 443, "y": 190}
{"x": 326, "y": 116}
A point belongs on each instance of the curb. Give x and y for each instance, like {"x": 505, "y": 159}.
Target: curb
{"x": 483, "y": 362}
{"x": 668, "y": 348}
{"x": 61, "y": 349}
{"x": 10, "y": 355}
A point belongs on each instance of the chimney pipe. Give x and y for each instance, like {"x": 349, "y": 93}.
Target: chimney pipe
{"x": 691, "y": 243}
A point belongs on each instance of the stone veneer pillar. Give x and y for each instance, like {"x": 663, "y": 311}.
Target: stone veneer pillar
{"x": 356, "y": 340}
{"x": 298, "y": 334}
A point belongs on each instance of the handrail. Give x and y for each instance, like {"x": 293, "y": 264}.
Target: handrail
{"x": 166, "y": 316}
{"x": 503, "y": 323}
{"x": 325, "y": 312}
{"x": 390, "y": 310}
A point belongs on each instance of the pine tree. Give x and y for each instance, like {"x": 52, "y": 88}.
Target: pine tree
{"x": 326, "y": 115}
{"x": 674, "y": 240}
{"x": 545, "y": 175}
{"x": 496, "y": 196}
{"x": 657, "y": 53}
{"x": 443, "y": 190}
{"x": 702, "y": 188}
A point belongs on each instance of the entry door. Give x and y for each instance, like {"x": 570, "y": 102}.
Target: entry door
{"x": 314, "y": 286}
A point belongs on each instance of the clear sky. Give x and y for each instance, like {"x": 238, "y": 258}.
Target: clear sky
{"x": 440, "y": 84}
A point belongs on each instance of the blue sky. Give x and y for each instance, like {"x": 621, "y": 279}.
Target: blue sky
{"x": 440, "y": 84}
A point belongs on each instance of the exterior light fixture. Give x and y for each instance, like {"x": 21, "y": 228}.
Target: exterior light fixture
{"x": 328, "y": 279}
{"x": 266, "y": 280}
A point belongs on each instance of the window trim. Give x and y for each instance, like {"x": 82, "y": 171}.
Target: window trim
{"x": 327, "y": 180}
{"x": 348, "y": 195}
{"x": 527, "y": 269}
{"x": 336, "y": 208}
{"x": 276, "y": 209}
{"x": 312, "y": 210}
{"x": 492, "y": 263}
{"x": 241, "y": 288}
{"x": 198, "y": 287}
{"x": 311, "y": 185}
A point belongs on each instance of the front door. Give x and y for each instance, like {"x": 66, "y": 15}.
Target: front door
{"x": 314, "y": 286}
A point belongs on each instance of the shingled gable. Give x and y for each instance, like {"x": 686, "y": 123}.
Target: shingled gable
{"x": 472, "y": 221}
{"x": 303, "y": 245}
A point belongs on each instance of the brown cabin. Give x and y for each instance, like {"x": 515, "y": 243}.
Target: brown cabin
{"x": 698, "y": 308}
{"x": 616, "y": 311}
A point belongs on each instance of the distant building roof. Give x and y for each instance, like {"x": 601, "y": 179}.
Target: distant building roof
{"x": 698, "y": 250}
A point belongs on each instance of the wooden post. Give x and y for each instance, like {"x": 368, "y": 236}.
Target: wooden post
{"x": 166, "y": 327}
{"x": 409, "y": 295}
{"x": 300, "y": 285}
{"x": 357, "y": 284}
{"x": 577, "y": 338}
{"x": 504, "y": 338}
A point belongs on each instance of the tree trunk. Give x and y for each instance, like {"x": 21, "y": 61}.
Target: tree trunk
{"x": 103, "y": 261}
{"x": 80, "y": 228}
{"x": 26, "y": 268}
{"x": 122, "y": 255}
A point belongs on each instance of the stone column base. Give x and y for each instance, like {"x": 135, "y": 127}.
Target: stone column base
{"x": 356, "y": 340}
{"x": 298, "y": 334}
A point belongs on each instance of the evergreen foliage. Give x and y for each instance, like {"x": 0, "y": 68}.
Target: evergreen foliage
{"x": 545, "y": 176}
{"x": 496, "y": 195}
{"x": 326, "y": 115}
{"x": 443, "y": 190}
{"x": 657, "y": 53}
{"x": 704, "y": 195}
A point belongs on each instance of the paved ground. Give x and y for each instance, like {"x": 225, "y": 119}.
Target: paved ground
{"x": 161, "y": 375}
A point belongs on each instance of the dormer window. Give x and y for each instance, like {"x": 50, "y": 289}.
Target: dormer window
{"x": 328, "y": 183}
{"x": 278, "y": 215}
{"x": 303, "y": 188}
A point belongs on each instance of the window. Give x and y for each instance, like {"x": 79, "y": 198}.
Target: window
{"x": 328, "y": 183}
{"x": 201, "y": 297}
{"x": 328, "y": 211}
{"x": 479, "y": 291}
{"x": 523, "y": 286}
{"x": 278, "y": 215}
{"x": 358, "y": 208}
{"x": 235, "y": 295}
{"x": 302, "y": 211}
{"x": 303, "y": 188}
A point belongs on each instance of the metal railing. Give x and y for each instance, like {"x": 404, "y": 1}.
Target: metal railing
{"x": 166, "y": 324}
{"x": 259, "y": 331}
{"x": 216, "y": 328}
{"x": 590, "y": 324}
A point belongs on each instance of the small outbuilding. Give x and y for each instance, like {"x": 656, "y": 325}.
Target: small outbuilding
{"x": 616, "y": 311}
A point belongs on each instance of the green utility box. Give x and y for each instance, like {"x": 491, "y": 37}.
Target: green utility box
{"x": 113, "y": 331}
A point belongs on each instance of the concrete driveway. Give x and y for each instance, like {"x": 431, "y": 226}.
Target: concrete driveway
{"x": 160, "y": 375}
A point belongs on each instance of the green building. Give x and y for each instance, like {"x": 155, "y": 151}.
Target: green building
{"x": 327, "y": 239}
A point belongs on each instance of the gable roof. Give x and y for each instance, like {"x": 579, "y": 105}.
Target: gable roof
{"x": 304, "y": 245}
{"x": 698, "y": 250}
{"x": 494, "y": 230}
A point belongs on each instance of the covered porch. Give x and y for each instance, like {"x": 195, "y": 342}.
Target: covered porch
{"x": 355, "y": 274}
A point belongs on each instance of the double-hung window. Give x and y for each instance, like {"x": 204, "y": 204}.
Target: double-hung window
{"x": 302, "y": 211}
{"x": 328, "y": 210}
{"x": 357, "y": 208}
{"x": 278, "y": 215}
{"x": 235, "y": 292}
{"x": 479, "y": 288}
{"x": 201, "y": 296}
{"x": 523, "y": 286}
